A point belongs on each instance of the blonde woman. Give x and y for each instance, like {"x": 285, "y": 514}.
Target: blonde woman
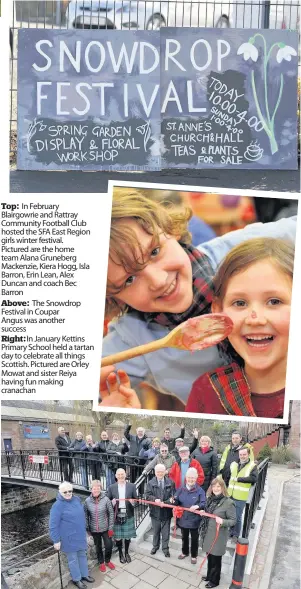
{"x": 208, "y": 460}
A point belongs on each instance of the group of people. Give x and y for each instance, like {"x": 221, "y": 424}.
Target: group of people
{"x": 103, "y": 515}
{"x": 87, "y": 458}
{"x": 195, "y": 484}
{"x": 84, "y": 458}
{"x": 157, "y": 280}
{"x": 187, "y": 482}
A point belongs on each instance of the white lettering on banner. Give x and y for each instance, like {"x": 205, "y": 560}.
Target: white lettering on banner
{"x": 48, "y": 59}
{"x": 208, "y": 55}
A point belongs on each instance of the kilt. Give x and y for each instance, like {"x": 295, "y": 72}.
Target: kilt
{"x": 125, "y": 531}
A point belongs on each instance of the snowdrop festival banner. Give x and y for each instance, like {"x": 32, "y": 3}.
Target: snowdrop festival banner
{"x": 88, "y": 100}
{"x": 145, "y": 100}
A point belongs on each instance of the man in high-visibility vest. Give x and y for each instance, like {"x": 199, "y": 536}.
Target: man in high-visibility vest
{"x": 243, "y": 476}
{"x": 231, "y": 454}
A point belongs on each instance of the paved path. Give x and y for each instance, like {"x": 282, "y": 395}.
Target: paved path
{"x": 73, "y": 181}
{"x": 145, "y": 572}
{"x": 286, "y": 563}
{"x": 282, "y": 561}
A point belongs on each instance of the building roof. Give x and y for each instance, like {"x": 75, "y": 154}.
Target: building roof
{"x": 26, "y": 414}
{"x": 56, "y": 406}
{"x": 117, "y": 423}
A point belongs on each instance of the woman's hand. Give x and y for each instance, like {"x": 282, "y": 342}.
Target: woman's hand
{"x": 114, "y": 502}
{"x": 114, "y": 393}
{"x": 194, "y": 507}
{"x": 219, "y": 520}
{"x": 171, "y": 500}
{"x": 57, "y": 546}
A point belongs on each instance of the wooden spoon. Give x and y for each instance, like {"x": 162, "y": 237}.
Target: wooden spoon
{"x": 196, "y": 333}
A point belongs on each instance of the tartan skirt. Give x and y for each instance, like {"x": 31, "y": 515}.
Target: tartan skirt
{"x": 125, "y": 531}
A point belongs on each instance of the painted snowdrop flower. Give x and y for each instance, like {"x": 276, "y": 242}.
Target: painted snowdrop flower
{"x": 142, "y": 129}
{"x": 248, "y": 50}
{"x": 285, "y": 52}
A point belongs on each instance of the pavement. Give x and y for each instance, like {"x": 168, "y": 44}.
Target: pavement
{"x": 144, "y": 572}
{"x": 276, "y": 563}
{"x": 97, "y": 182}
{"x": 286, "y": 562}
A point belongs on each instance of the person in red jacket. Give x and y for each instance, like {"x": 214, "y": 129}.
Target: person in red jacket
{"x": 179, "y": 469}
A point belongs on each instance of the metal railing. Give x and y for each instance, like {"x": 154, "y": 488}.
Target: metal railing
{"x": 33, "y": 557}
{"x": 78, "y": 467}
{"x": 140, "y": 513}
{"x": 143, "y": 15}
{"x": 255, "y": 495}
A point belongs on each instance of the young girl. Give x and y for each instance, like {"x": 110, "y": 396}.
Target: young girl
{"x": 157, "y": 280}
{"x": 253, "y": 286}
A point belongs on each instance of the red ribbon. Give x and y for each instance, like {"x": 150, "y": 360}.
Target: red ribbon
{"x": 197, "y": 511}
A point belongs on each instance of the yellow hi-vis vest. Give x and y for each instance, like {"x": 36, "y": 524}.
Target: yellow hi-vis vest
{"x": 236, "y": 489}
{"x": 227, "y": 450}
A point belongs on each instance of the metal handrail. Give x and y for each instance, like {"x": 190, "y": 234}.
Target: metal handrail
{"x": 23, "y": 544}
{"x": 28, "y": 558}
{"x": 254, "y": 498}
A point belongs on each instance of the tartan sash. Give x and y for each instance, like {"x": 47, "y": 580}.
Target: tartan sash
{"x": 202, "y": 286}
{"x": 232, "y": 389}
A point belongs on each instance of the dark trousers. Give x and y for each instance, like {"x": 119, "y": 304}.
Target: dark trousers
{"x": 239, "y": 506}
{"x": 66, "y": 469}
{"x": 214, "y": 565}
{"x": 135, "y": 472}
{"x": 194, "y": 534}
{"x": 98, "y": 537}
{"x": 161, "y": 528}
{"x": 94, "y": 469}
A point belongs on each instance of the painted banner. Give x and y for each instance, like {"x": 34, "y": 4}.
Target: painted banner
{"x": 229, "y": 98}
{"x": 36, "y": 431}
{"x": 88, "y": 100}
{"x": 146, "y": 100}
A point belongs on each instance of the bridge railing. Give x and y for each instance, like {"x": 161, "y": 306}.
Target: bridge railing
{"x": 83, "y": 467}
{"x": 255, "y": 495}
{"x": 80, "y": 468}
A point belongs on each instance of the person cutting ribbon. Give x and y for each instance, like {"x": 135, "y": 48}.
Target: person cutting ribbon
{"x": 222, "y": 506}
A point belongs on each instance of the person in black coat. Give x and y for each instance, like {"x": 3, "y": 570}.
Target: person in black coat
{"x": 180, "y": 443}
{"x": 116, "y": 450}
{"x": 124, "y": 527}
{"x": 103, "y": 447}
{"x": 169, "y": 441}
{"x": 208, "y": 459}
{"x": 93, "y": 462}
{"x": 137, "y": 443}
{"x": 160, "y": 489}
{"x": 62, "y": 442}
